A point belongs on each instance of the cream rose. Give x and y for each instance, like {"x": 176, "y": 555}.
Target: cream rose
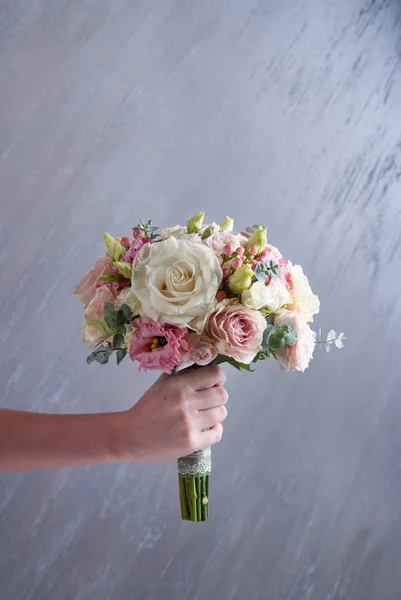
{"x": 272, "y": 296}
{"x": 304, "y": 301}
{"x": 176, "y": 282}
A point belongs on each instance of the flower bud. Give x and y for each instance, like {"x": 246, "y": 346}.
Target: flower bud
{"x": 241, "y": 279}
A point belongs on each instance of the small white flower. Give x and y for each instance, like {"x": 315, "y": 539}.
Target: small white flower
{"x": 272, "y": 296}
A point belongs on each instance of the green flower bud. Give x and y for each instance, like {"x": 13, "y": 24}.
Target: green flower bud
{"x": 227, "y": 224}
{"x": 258, "y": 240}
{"x": 195, "y": 223}
{"x": 114, "y": 247}
{"x": 241, "y": 279}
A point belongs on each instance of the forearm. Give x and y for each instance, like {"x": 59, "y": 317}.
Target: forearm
{"x": 37, "y": 441}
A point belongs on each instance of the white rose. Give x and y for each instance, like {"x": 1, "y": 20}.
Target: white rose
{"x": 126, "y": 296}
{"x": 303, "y": 300}
{"x": 176, "y": 282}
{"x": 179, "y": 232}
{"x": 272, "y": 296}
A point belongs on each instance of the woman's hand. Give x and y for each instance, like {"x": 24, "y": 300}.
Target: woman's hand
{"x": 176, "y": 416}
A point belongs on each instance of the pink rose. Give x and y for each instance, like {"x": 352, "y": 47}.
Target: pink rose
{"x": 86, "y": 288}
{"x": 95, "y": 311}
{"x": 92, "y": 336}
{"x": 218, "y": 241}
{"x": 201, "y": 351}
{"x": 296, "y": 357}
{"x": 157, "y": 346}
{"x": 95, "y": 308}
{"x": 236, "y": 330}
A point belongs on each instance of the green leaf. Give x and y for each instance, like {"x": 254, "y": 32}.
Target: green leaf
{"x": 118, "y": 341}
{"x": 290, "y": 338}
{"x": 114, "y": 247}
{"x": 121, "y": 353}
{"x": 124, "y": 268}
{"x": 111, "y": 277}
{"x": 100, "y": 325}
{"x": 276, "y": 343}
{"x": 220, "y": 358}
{"x": 124, "y": 315}
{"x": 266, "y": 336}
{"x": 110, "y": 316}
{"x": 101, "y": 354}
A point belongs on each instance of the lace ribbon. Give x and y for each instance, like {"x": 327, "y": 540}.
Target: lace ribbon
{"x": 197, "y": 463}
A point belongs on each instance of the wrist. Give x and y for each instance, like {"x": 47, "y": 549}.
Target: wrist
{"x": 122, "y": 440}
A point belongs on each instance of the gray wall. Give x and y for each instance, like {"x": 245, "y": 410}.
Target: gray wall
{"x": 286, "y": 113}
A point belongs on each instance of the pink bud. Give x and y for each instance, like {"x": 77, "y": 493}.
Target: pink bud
{"x": 221, "y": 295}
{"x": 125, "y": 242}
{"x": 253, "y": 263}
{"x": 226, "y": 271}
{"x": 253, "y": 250}
{"x": 228, "y": 249}
{"x": 237, "y": 262}
{"x": 240, "y": 251}
{"x": 264, "y": 254}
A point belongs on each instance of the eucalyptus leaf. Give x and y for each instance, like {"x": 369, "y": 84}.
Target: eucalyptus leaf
{"x": 121, "y": 353}
{"x": 100, "y": 354}
{"x": 110, "y": 316}
{"x": 118, "y": 341}
{"x": 125, "y": 315}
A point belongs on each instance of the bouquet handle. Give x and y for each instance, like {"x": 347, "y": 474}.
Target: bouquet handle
{"x": 194, "y": 479}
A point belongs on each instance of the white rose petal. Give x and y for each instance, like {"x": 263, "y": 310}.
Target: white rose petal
{"x": 272, "y": 296}
{"x": 303, "y": 301}
{"x": 176, "y": 282}
{"x": 126, "y": 296}
{"x": 179, "y": 232}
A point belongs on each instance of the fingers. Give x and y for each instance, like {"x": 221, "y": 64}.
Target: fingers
{"x": 204, "y": 378}
{"x": 211, "y": 417}
{"x": 210, "y": 398}
{"x": 211, "y": 436}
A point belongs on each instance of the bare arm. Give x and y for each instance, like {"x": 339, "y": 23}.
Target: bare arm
{"x": 31, "y": 440}
{"x": 177, "y": 415}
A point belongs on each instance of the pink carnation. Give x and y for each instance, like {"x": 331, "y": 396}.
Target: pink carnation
{"x": 170, "y": 345}
{"x": 201, "y": 351}
{"x": 296, "y": 357}
{"x": 133, "y": 250}
{"x": 236, "y": 330}
{"x": 87, "y": 286}
{"x": 284, "y": 274}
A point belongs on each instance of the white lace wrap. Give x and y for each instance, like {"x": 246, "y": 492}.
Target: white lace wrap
{"x": 197, "y": 463}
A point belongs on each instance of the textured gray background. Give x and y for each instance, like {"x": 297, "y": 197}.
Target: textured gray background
{"x": 284, "y": 112}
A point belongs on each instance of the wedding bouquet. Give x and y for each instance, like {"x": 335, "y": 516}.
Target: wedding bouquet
{"x": 186, "y": 297}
